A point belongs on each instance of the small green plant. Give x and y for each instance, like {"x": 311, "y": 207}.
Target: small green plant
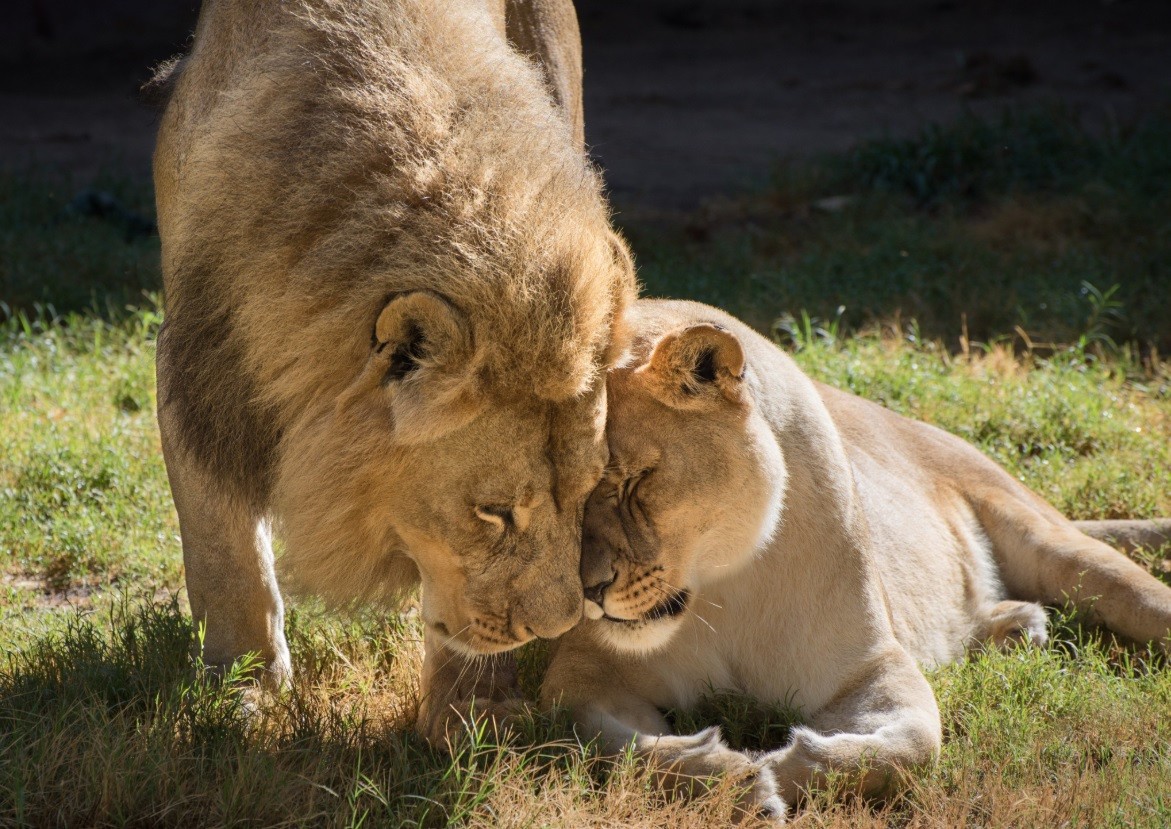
{"x": 804, "y": 331}
{"x": 745, "y": 723}
{"x": 1106, "y": 312}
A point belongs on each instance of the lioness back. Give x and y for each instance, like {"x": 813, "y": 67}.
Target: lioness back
{"x": 957, "y": 536}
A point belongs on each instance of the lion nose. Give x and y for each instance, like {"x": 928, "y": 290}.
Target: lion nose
{"x": 597, "y": 592}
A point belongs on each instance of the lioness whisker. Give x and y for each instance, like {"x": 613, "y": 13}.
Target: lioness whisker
{"x": 674, "y": 592}
{"x": 708, "y": 601}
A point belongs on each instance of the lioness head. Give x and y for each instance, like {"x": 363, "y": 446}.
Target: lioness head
{"x": 692, "y": 490}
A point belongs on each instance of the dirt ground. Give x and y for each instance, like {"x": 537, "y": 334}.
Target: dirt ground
{"x": 684, "y": 100}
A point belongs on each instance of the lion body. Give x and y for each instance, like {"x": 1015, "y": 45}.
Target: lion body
{"x": 814, "y": 549}
{"x": 389, "y": 279}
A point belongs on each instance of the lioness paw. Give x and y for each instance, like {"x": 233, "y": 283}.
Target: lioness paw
{"x": 1012, "y": 622}
{"x": 773, "y": 810}
{"x": 686, "y": 764}
{"x": 760, "y": 800}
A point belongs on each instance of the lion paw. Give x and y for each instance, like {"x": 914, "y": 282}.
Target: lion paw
{"x": 478, "y": 718}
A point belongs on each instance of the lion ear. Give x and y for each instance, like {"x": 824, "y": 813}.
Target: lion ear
{"x": 422, "y": 354}
{"x": 697, "y": 365}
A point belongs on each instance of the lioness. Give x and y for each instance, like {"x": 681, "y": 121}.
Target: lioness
{"x": 761, "y": 532}
{"x": 392, "y": 293}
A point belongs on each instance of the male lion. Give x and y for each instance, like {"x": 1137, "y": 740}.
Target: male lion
{"x": 392, "y": 292}
{"x": 761, "y": 532}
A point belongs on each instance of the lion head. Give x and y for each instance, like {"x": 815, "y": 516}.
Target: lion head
{"x": 693, "y": 487}
{"x": 431, "y": 466}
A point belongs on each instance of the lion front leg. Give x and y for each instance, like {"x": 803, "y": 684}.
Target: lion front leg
{"x": 874, "y": 734}
{"x": 228, "y": 561}
{"x": 457, "y": 690}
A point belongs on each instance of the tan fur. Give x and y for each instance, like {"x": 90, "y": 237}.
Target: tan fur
{"x": 392, "y": 292}
{"x": 762, "y": 533}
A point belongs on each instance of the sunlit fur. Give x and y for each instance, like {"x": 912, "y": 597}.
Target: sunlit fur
{"x": 829, "y": 548}
{"x": 318, "y": 161}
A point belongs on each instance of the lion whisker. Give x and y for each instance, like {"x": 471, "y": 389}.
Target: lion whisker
{"x": 454, "y": 653}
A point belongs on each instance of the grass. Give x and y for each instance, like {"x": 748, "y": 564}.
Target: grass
{"x": 107, "y": 719}
{"x": 1025, "y": 223}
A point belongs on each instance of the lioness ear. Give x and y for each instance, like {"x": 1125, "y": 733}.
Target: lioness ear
{"x": 422, "y": 354}
{"x": 695, "y": 365}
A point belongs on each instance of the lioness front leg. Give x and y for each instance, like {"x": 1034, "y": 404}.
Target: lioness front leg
{"x": 228, "y": 561}
{"x": 457, "y": 689}
{"x": 886, "y": 725}
{"x": 680, "y": 762}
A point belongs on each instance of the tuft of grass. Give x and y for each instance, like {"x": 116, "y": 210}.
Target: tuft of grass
{"x": 1038, "y": 151}
{"x": 745, "y": 723}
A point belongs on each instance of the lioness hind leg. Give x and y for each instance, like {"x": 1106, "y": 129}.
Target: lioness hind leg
{"x": 1044, "y": 558}
{"x": 228, "y": 561}
{"x": 1010, "y": 622}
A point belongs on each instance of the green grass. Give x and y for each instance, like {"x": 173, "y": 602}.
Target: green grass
{"x": 1026, "y": 222}
{"x": 107, "y": 719}
{"x": 83, "y": 494}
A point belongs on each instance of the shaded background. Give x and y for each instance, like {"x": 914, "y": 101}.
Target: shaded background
{"x": 684, "y": 100}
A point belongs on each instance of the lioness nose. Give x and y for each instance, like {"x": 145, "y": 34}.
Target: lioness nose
{"x": 597, "y": 592}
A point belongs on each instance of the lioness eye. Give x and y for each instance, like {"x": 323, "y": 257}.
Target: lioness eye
{"x": 629, "y": 486}
{"x": 498, "y": 514}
